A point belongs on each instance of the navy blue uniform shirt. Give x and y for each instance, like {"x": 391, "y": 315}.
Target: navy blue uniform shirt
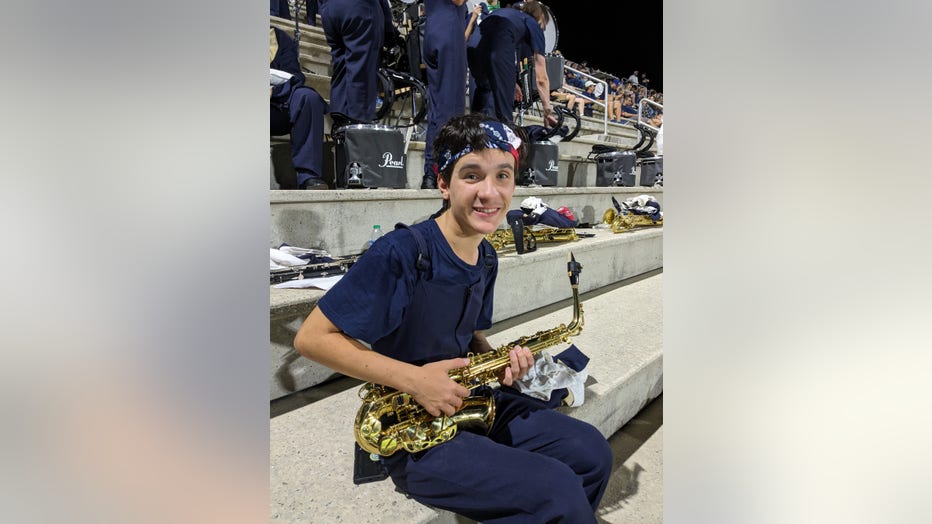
{"x": 416, "y": 317}
{"x": 525, "y": 30}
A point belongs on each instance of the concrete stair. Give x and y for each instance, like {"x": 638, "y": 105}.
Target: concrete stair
{"x": 311, "y": 447}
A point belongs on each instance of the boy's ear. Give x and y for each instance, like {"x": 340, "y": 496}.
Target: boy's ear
{"x": 443, "y": 187}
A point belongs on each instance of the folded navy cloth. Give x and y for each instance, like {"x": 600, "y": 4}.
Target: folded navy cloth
{"x": 573, "y": 358}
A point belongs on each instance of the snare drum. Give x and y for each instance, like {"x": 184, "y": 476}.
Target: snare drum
{"x": 551, "y": 33}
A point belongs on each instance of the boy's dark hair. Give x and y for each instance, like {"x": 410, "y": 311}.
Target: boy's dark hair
{"x": 536, "y": 10}
{"x": 464, "y": 130}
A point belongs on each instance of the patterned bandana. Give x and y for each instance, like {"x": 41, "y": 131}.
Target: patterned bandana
{"x": 500, "y": 137}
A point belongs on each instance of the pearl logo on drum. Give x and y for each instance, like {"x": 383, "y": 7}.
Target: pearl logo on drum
{"x": 389, "y": 162}
{"x": 552, "y": 166}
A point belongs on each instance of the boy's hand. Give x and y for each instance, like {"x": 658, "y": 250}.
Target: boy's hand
{"x": 521, "y": 362}
{"x": 435, "y": 391}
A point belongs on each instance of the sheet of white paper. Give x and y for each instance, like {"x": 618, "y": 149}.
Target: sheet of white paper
{"x": 278, "y": 77}
{"x": 324, "y": 283}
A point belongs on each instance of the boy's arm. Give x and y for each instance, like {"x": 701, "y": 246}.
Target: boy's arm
{"x": 322, "y": 341}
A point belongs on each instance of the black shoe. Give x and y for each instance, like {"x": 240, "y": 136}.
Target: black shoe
{"x": 313, "y": 184}
{"x": 429, "y": 182}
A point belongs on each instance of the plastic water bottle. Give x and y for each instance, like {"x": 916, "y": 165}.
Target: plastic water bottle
{"x": 376, "y": 234}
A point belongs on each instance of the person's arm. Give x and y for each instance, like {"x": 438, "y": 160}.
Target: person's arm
{"x": 429, "y": 385}
{"x": 472, "y": 19}
{"x": 521, "y": 359}
{"x": 543, "y": 86}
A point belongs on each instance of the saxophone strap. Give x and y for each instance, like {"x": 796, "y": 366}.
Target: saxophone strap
{"x": 423, "y": 255}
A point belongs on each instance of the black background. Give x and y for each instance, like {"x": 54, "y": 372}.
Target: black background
{"x": 616, "y": 37}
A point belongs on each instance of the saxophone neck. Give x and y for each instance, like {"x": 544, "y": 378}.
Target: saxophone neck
{"x": 573, "y": 268}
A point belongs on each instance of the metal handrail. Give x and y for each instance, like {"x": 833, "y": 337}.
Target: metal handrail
{"x": 604, "y": 94}
{"x": 641, "y": 111}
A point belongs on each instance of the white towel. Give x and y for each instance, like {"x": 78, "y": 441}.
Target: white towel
{"x": 548, "y": 375}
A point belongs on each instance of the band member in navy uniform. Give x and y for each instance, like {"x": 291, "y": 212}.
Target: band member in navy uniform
{"x": 445, "y": 58}
{"x": 504, "y": 35}
{"x": 421, "y": 296}
{"x": 299, "y": 110}
{"x": 355, "y": 31}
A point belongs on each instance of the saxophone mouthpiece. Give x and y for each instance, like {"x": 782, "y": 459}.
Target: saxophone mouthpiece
{"x": 573, "y": 269}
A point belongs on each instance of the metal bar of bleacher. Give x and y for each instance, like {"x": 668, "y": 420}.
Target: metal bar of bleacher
{"x": 641, "y": 112}
{"x": 604, "y": 95}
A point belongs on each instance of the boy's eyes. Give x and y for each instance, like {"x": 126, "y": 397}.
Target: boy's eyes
{"x": 476, "y": 176}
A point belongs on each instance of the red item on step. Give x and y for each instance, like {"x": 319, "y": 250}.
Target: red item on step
{"x": 567, "y": 212}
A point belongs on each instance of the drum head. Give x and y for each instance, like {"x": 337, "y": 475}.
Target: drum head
{"x": 551, "y": 33}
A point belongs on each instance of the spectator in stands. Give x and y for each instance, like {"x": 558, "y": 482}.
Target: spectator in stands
{"x": 574, "y": 79}
{"x": 572, "y": 102}
{"x": 505, "y": 34}
{"x": 444, "y": 54}
{"x": 296, "y": 109}
{"x": 588, "y": 96}
{"x": 634, "y": 77}
{"x": 614, "y": 101}
{"x": 629, "y": 107}
{"x": 644, "y": 80}
{"x": 356, "y": 31}
{"x": 536, "y": 464}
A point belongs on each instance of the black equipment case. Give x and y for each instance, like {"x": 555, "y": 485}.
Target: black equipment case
{"x": 615, "y": 168}
{"x": 543, "y": 164}
{"x": 650, "y": 168}
{"x": 368, "y": 155}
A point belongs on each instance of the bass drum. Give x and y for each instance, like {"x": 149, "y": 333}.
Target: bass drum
{"x": 551, "y": 33}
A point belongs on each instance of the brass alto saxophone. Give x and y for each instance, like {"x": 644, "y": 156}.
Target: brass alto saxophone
{"x": 503, "y": 237}
{"x": 623, "y": 220}
{"x": 389, "y": 420}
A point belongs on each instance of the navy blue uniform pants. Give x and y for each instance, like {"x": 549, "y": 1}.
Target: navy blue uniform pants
{"x": 537, "y": 465}
{"x": 303, "y": 117}
{"x": 494, "y": 68}
{"x": 280, "y": 8}
{"x": 355, "y": 31}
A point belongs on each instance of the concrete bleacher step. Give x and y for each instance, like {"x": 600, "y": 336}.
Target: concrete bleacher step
{"x": 341, "y": 220}
{"x": 525, "y": 282}
{"x": 311, "y": 454}
{"x": 313, "y": 50}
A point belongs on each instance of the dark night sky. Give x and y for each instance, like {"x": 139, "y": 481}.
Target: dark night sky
{"x": 616, "y": 37}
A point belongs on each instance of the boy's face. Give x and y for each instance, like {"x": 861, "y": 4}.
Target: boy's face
{"x": 480, "y": 190}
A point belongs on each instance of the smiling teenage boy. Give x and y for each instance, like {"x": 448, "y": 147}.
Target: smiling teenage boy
{"x": 421, "y": 320}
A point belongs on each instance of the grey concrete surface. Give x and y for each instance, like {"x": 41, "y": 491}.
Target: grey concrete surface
{"x": 635, "y": 491}
{"x": 341, "y": 220}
